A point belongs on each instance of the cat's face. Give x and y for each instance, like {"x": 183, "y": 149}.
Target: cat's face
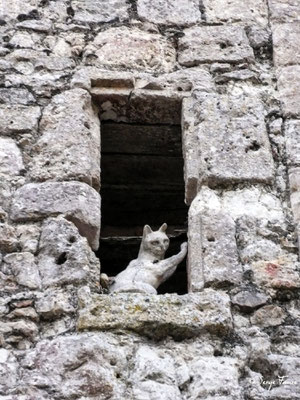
{"x": 156, "y": 242}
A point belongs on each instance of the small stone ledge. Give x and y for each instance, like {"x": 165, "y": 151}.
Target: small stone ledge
{"x": 156, "y": 316}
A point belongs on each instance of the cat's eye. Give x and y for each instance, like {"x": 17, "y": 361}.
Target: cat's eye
{"x": 166, "y": 241}
{"x": 155, "y": 242}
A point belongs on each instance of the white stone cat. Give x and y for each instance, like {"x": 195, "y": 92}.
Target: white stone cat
{"x": 149, "y": 270}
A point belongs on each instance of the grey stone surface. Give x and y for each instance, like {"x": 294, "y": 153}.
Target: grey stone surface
{"x": 233, "y": 139}
{"x": 64, "y": 257}
{"x": 78, "y": 202}
{"x": 69, "y": 147}
{"x": 11, "y": 162}
{"x": 208, "y": 44}
{"x": 138, "y": 50}
{"x": 248, "y": 301}
{"x": 292, "y": 140}
{"x": 98, "y": 11}
{"x": 157, "y": 316}
{"x": 54, "y": 303}
{"x": 289, "y": 89}
{"x": 284, "y": 10}
{"x": 170, "y": 12}
{"x": 24, "y": 269}
{"x": 16, "y": 96}
{"x": 8, "y": 238}
{"x": 219, "y": 375}
{"x": 213, "y": 257}
{"x": 277, "y": 273}
{"x": 268, "y": 316}
{"x": 285, "y": 43}
{"x": 19, "y": 119}
{"x": 228, "y": 11}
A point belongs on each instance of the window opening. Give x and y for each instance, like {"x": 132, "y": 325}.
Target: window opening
{"x": 141, "y": 183}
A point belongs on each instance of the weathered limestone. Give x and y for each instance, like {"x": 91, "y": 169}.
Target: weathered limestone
{"x": 64, "y": 257}
{"x": 17, "y": 7}
{"x": 8, "y": 238}
{"x": 11, "y": 162}
{"x": 226, "y": 44}
{"x": 284, "y": 10}
{"x": 52, "y": 304}
{"x": 285, "y": 39}
{"x": 24, "y": 269}
{"x": 190, "y": 150}
{"x": 247, "y": 301}
{"x": 18, "y": 119}
{"x": 169, "y": 12}
{"x": 292, "y": 140}
{"x": 289, "y": 88}
{"x": 69, "y": 148}
{"x": 278, "y": 273}
{"x": 228, "y": 11}
{"x": 233, "y": 139}
{"x": 16, "y": 96}
{"x": 137, "y": 50}
{"x": 157, "y": 316}
{"x": 213, "y": 258}
{"x": 268, "y": 316}
{"x": 97, "y": 11}
{"x": 215, "y": 375}
{"x": 78, "y": 202}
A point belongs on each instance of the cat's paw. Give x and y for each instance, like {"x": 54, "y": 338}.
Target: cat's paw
{"x": 184, "y": 247}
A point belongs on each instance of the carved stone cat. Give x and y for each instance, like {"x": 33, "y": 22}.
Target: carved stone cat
{"x": 149, "y": 270}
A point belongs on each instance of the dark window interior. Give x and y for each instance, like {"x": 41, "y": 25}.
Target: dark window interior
{"x": 141, "y": 183}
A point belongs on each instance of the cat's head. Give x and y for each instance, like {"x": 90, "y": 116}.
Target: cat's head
{"x": 155, "y": 242}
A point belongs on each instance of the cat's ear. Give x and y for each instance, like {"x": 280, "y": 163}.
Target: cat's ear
{"x": 163, "y": 228}
{"x": 147, "y": 230}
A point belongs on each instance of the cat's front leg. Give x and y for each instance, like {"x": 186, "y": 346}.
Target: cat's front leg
{"x": 169, "y": 265}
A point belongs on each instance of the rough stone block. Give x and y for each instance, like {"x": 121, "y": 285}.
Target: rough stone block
{"x": 157, "y": 316}
{"x": 289, "y": 90}
{"x": 78, "y": 202}
{"x": 228, "y": 11}
{"x": 282, "y": 382}
{"x": 169, "y": 12}
{"x": 208, "y": 44}
{"x": 24, "y": 269}
{"x": 11, "y": 162}
{"x": 69, "y": 148}
{"x": 52, "y": 304}
{"x": 16, "y": 96}
{"x": 64, "y": 257}
{"x": 284, "y": 10}
{"x": 286, "y": 341}
{"x": 215, "y": 376}
{"x": 292, "y": 140}
{"x": 247, "y": 301}
{"x": 97, "y": 11}
{"x": 270, "y": 315}
{"x": 285, "y": 44}
{"x": 213, "y": 257}
{"x": 18, "y": 119}
{"x": 78, "y": 365}
{"x": 190, "y": 150}
{"x": 233, "y": 139}
{"x": 280, "y": 273}
{"x": 17, "y": 7}
{"x": 8, "y": 238}
{"x": 127, "y": 48}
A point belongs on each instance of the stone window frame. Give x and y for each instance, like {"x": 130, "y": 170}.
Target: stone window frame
{"x": 128, "y": 84}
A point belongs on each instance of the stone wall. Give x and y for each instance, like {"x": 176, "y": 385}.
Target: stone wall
{"x": 233, "y": 66}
